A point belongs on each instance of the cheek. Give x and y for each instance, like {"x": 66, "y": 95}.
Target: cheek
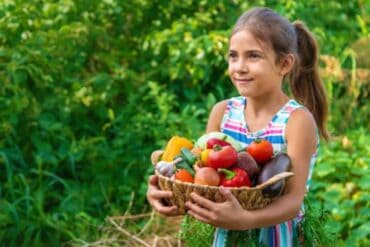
{"x": 232, "y": 68}
{"x": 257, "y": 68}
{"x": 262, "y": 72}
{"x": 229, "y": 68}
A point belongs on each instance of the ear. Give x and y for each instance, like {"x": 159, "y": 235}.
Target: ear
{"x": 286, "y": 64}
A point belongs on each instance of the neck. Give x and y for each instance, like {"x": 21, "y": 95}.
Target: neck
{"x": 266, "y": 104}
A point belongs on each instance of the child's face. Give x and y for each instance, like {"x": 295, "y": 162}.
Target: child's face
{"x": 252, "y": 67}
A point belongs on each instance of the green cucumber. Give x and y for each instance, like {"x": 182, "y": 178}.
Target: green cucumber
{"x": 185, "y": 165}
{"x": 188, "y": 156}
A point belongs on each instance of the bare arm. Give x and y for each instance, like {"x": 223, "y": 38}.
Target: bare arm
{"x": 154, "y": 194}
{"x": 215, "y": 117}
{"x": 301, "y": 141}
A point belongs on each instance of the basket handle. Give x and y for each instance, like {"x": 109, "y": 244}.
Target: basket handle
{"x": 276, "y": 178}
{"x": 154, "y": 157}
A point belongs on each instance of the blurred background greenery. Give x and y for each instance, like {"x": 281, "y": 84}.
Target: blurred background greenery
{"x": 90, "y": 87}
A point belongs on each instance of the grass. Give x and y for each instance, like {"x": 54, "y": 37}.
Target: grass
{"x": 147, "y": 230}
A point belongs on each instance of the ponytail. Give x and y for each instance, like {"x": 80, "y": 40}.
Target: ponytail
{"x": 285, "y": 38}
{"x": 304, "y": 80}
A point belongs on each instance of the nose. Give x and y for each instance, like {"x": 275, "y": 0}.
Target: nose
{"x": 241, "y": 66}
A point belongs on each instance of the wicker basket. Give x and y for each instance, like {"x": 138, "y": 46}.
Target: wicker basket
{"x": 249, "y": 197}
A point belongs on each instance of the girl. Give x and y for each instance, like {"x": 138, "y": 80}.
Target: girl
{"x": 265, "y": 50}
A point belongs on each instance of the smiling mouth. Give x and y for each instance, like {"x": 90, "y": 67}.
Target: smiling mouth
{"x": 243, "y": 81}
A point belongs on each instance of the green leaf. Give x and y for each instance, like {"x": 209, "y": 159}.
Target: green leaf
{"x": 324, "y": 169}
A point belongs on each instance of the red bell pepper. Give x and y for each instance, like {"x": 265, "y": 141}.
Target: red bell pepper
{"x": 235, "y": 177}
{"x": 222, "y": 157}
{"x": 215, "y": 141}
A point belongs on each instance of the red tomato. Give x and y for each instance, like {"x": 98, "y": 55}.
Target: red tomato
{"x": 261, "y": 150}
{"x": 184, "y": 176}
{"x": 222, "y": 157}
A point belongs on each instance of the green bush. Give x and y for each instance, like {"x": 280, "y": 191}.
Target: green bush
{"x": 340, "y": 182}
{"x": 90, "y": 88}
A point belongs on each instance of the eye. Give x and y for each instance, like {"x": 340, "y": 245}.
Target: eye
{"x": 232, "y": 55}
{"x": 254, "y": 55}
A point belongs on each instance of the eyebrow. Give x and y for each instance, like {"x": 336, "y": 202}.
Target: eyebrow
{"x": 247, "y": 51}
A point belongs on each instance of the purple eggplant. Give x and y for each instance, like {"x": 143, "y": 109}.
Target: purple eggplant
{"x": 278, "y": 164}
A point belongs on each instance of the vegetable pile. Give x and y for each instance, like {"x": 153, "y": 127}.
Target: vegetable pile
{"x": 217, "y": 159}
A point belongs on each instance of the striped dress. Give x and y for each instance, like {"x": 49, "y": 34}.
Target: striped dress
{"x": 234, "y": 124}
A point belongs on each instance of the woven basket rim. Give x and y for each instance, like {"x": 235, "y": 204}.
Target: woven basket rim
{"x": 280, "y": 176}
{"x": 272, "y": 180}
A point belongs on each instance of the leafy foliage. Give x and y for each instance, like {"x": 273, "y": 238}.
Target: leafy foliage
{"x": 204, "y": 236}
{"x": 341, "y": 182}
{"x": 90, "y": 88}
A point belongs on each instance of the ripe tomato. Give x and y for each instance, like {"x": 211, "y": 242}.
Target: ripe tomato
{"x": 261, "y": 150}
{"x": 222, "y": 157}
{"x": 184, "y": 176}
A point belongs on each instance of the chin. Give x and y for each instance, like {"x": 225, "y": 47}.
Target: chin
{"x": 244, "y": 92}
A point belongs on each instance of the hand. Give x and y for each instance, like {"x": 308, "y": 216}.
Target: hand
{"x": 155, "y": 195}
{"x": 228, "y": 214}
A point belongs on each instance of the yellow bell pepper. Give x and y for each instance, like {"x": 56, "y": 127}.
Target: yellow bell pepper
{"x": 173, "y": 147}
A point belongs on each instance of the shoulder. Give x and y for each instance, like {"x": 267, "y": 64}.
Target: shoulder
{"x": 216, "y": 115}
{"x": 220, "y": 106}
{"x": 219, "y": 109}
{"x": 237, "y": 102}
{"x": 301, "y": 127}
{"x": 302, "y": 117}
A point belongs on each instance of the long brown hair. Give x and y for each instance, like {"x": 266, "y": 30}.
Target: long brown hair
{"x": 292, "y": 38}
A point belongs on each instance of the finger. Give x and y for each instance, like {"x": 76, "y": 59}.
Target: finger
{"x": 198, "y": 210}
{"x": 199, "y": 217}
{"x": 159, "y": 194}
{"x": 153, "y": 180}
{"x": 228, "y": 195}
{"x": 165, "y": 210}
{"x": 204, "y": 202}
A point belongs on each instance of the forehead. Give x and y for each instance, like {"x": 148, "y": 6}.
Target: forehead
{"x": 244, "y": 40}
